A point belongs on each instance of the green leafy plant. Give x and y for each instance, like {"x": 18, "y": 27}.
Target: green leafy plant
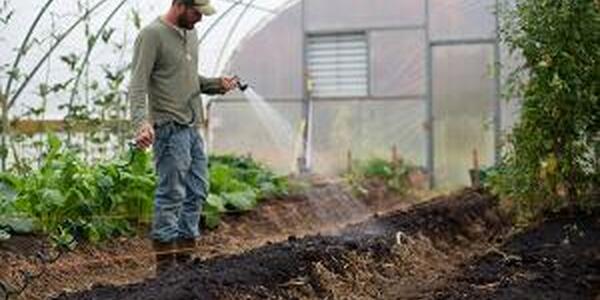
{"x": 70, "y": 199}
{"x": 237, "y": 184}
{"x": 550, "y": 160}
{"x": 73, "y": 200}
{"x": 395, "y": 176}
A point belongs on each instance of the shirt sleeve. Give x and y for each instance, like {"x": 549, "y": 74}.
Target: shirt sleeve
{"x": 144, "y": 56}
{"x": 211, "y": 86}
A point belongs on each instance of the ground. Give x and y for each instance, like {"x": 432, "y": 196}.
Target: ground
{"x": 459, "y": 246}
{"x": 326, "y": 207}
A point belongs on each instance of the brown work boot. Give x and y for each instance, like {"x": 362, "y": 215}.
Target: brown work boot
{"x": 165, "y": 256}
{"x": 185, "y": 249}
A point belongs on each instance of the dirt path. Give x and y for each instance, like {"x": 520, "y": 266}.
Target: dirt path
{"x": 404, "y": 252}
{"x": 325, "y": 208}
{"x": 456, "y": 247}
{"x": 452, "y": 247}
{"x": 560, "y": 259}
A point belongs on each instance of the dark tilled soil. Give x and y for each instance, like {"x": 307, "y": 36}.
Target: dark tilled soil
{"x": 327, "y": 206}
{"x": 393, "y": 254}
{"x": 560, "y": 259}
{"x": 453, "y": 247}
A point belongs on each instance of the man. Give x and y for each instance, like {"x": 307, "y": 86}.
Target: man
{"x": 165, "y": 70}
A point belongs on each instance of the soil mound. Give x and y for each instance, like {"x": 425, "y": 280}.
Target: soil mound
{"x": 310, "y": 267}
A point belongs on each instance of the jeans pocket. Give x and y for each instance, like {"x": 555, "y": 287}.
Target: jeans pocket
{"x": 162, "y": 141}
{"x": 172, "y": 147}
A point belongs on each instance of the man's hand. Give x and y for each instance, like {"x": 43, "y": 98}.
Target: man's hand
{"x": 229, "y": 83}
{"x": 144, "y": 136}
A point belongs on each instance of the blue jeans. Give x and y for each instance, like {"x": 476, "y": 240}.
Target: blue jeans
{"x": 182, "y": 188}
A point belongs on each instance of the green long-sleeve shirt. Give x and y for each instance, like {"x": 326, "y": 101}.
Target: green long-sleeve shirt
{"x": 165, "y": 74}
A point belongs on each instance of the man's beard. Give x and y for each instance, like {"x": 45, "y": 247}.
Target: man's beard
{"x": 183, "y": 23}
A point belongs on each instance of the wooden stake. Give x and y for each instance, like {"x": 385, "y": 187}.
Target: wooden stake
{"x": 475, "y": 174}
{"x": 349, "y": 161}
{"x": 395, "y": 156}
{"x": 475, "y": 160}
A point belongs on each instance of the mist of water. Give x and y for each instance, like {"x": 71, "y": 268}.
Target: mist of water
{"x": 279, "y": 128}
{"x": 331, "y": 205}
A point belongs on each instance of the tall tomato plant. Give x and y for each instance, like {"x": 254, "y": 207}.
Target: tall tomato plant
{"x": 553, "y": 158}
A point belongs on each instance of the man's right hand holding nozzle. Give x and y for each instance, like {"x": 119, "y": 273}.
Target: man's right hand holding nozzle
{"x": 144, "y": 136}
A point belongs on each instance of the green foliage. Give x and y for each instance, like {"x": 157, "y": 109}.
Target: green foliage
{"x": 137, "y": 20}
{"x": 394, "y": 175}
{"x": 237, "y": 184}
{"x": 551, "y": 161}
{"x": 73, "y": 200}
{"x": 6, "y": 13}
{"x": 70, "y": 199}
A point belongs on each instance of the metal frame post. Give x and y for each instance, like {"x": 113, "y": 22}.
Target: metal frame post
{"x": 304, "y": 159}
{"x": 497, "y": 90}
{"x": 429, "y": 99}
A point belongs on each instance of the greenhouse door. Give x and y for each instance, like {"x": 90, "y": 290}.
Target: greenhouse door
{"x": 463, "y": 106}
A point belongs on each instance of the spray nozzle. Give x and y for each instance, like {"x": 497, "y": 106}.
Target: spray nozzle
{"x": 241, "y": 84}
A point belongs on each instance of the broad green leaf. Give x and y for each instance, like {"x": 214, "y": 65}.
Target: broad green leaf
{"x": 4, "y": 235}
{"x": 54, "y": 143}
{"x": 211, "y": 216}
{"x": 18, "y": 225}
{"x": 52, "y": 196}
{"x": 240, "y": 201}
{"x": 216, "y": 201}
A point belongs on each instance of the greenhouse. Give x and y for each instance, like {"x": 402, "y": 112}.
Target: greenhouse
{"x": 299, "y": 149}
{"x": 401, "y": 74}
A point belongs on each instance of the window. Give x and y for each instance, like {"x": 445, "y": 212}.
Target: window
{"x": 338, "y": 64}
